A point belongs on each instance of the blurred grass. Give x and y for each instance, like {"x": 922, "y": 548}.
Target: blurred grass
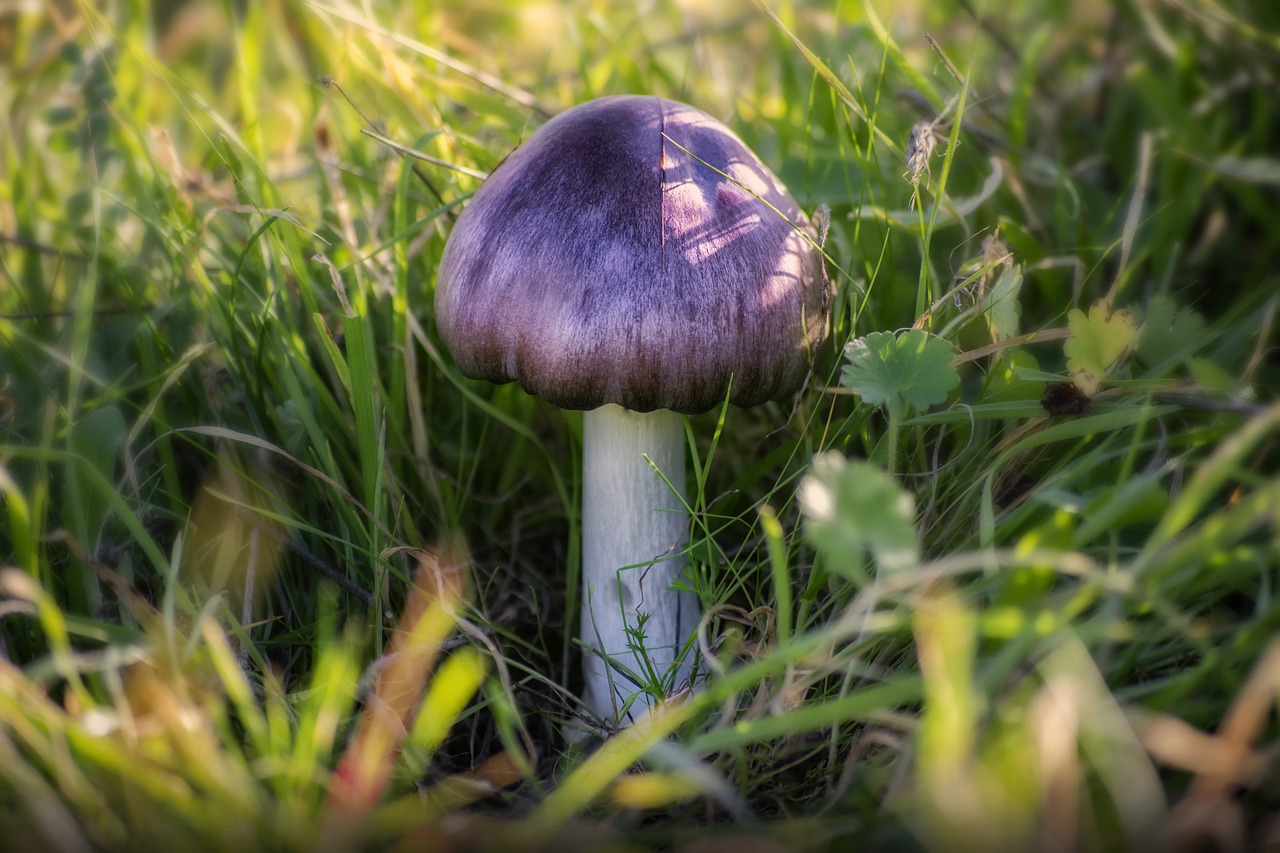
{"x": 229, "y": 436}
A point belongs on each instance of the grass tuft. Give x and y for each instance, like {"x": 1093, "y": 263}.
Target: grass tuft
{"x": 273, "y": 574}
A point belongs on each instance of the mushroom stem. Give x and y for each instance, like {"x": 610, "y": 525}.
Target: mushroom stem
{"x": 633, "y": 534}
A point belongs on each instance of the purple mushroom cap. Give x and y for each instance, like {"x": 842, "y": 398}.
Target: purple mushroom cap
{"x": 634, "y": 251}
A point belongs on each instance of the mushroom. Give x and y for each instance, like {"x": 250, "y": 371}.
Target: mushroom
{"x": 635, "y": 260}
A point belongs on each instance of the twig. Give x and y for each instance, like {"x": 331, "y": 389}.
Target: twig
{"x": 946, "y": 61}
{"x": 297, "y": 550}
{"x": 409, "y": 152}
{"x": 1060, "y": 334}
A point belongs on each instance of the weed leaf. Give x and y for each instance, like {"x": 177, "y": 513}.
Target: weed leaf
{"x": 1097, "y": 341}
{"x": 1168, "y": 332}
{"x": 1006, "y": 383}
{"x": 1210, "y": 376}
{"x": 1001, "y": 306}
{"x": 896, "y": 371}
{"x": 852, "y": 508}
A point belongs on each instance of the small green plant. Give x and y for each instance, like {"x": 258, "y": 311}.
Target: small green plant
{"x": 852, "y": 509}
{"x": 899, "y": 372}
{"x": 1001, "y": 579}
{"x": 1098, "y": 341}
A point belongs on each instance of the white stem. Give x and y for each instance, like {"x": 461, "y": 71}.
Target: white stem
{"x": 633, "y": 533}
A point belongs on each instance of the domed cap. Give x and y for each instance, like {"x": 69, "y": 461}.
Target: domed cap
{"x": 610, "y": 260}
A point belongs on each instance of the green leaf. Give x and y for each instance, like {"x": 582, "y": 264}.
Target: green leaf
{"x": 232, "y": 161}
{"x": 852, "y": 508}
{"x": 1007, "y": 384}
{"x": 1097, "y": 342}
{"x": 451, "y": 688}
{"x": 18, "y": 522}
{"x": 1264, "y": 171}
{"x": 1000, "y": 304}
{"x": 60, "y": 115}
{"x": 1213, "y": 377}
{"x": 897, "y": 371}
{"x": 98, "y": 437}
{"x": 1168, "y": 332}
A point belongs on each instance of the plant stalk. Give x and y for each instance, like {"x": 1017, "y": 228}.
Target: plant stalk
{"x": 633, "y": 537}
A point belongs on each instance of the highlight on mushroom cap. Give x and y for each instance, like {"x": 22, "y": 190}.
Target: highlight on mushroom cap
{"x": 634, "y": 251}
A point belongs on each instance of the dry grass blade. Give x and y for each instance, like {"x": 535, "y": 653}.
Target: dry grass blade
{"x": 228, "y": 428}
{"x": 515, "y": 94}
{"x": 422, "y": 820}
{"x": 403, "y": 673}
{"x": 1223, "y": 763}
{"x": 1056, "y": 724}
{"x": 1133, "y": 217}
{"x": 596, "y": 773}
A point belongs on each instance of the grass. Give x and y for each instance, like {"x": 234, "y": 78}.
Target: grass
{"x": 276, "y": 576}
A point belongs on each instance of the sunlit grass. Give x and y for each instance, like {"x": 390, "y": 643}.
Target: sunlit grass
{"x": 274, "y": 574}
